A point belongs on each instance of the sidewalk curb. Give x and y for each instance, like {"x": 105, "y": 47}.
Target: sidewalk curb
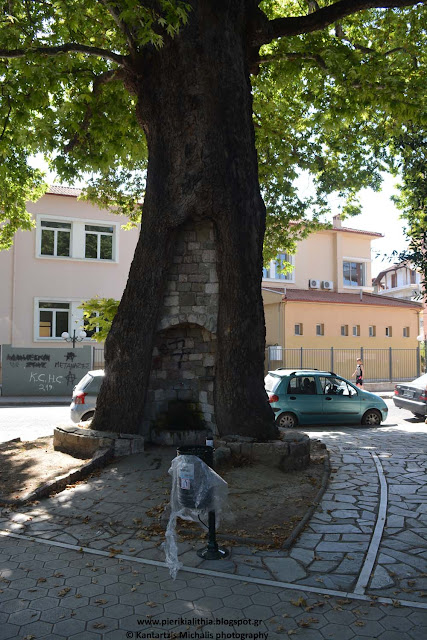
{"x": 101, "y": 458}
{"x": 301, "y": 524}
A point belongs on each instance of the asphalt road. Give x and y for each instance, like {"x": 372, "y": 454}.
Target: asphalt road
{"x": 33, "y": 422}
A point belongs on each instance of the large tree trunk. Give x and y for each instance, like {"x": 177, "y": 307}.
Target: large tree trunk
{"x": 194, "y": 102}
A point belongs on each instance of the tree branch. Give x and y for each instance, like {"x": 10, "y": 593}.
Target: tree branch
{"x": 272, "y": 29}
{"x": 98, "y": 82}
{"x": 293, "y": 55}
{"x": 124, "y": 28}
{"x": 7, "y": 118}
{"x": 69, "y": 47}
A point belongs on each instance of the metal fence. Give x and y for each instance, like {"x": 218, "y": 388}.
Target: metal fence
{"x": 98, "y": 358}
{"x": 380, "y": 365}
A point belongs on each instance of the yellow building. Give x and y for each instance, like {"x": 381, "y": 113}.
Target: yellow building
{"x": 324, "y": 313}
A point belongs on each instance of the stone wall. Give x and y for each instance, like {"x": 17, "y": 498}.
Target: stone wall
{"x": 183, "y": 365}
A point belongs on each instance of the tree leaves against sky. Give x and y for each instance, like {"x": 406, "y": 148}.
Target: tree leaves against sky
{"x": 327, "y": 104}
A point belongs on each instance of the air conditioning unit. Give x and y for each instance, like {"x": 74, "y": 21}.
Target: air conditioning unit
{"x": 328, "y": 284}
{"x": 314, "y": 284}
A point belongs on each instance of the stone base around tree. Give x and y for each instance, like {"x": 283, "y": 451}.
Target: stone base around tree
{"x": 290, "y": 453}
{"x": 172, "y": 438}
{"x": 83, "y": 443}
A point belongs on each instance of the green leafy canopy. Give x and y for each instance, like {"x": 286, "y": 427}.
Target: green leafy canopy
{"x": 328, "y": 104}
{"x": 98, "y": 314}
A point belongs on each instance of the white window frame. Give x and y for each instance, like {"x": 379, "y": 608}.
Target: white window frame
{"x": 55, "y": 237}
{"x": 389, "y": 332}
{"x": 99, "y": 235}
{"x": 345, "y": 333}
{"x": 54, "y": 311}
{"x": 300, "y": 331}
{"x": 406, "y": 332}
{"x": 272, "y": 274}
{"x": 356, "y": 330}
{"x": 78, "y": 238}
{"x": 75, "y": 317}
{"x": 372, "y": 331}
{"x": 361, "y": 261}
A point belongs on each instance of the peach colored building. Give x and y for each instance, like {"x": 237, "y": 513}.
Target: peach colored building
{"x": 327, "y": 301}
{"x": 75, "y": 252}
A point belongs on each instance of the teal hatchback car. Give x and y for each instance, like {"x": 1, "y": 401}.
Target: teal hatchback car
{"x": 309, "y": 396}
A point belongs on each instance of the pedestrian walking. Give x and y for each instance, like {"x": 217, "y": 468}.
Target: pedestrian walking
{"x": 359, "y": 373}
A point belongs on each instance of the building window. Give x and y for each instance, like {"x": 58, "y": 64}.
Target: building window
{"x": 98, "y": 242}
{"x": 388, "y": 332}
{"x": 344, "y": 329}
{"x": 372, "y": 331}
{"x": 283, "y": 260}
{"x": 76, "y": 239}
{"x": 299, "y": 329}
{"x": 354, "y": 274}
{"x": 274, "y": 271}
{"x": 90, "y": 329}
{"x": 406, "y": 332}
{"x": 356, "y": 330}
{"x": 266, "y": 273}
{"x": 393, "y": 280}
{"x": 55, "y": 238}
{"x": 54, "y": 319}
{"x": 320, "y": 329}
{"x": 413, "y": 276}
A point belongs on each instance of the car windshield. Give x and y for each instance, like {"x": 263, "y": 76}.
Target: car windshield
{"x": 420, "y": 382}
{"x": 272, "y": 382}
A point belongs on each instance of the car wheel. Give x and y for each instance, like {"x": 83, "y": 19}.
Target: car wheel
{"x": 87, "y": 416}
{"x": 287, "y": 421}
{"x": 418, "y": 415}
{"x": 372, "y": 417}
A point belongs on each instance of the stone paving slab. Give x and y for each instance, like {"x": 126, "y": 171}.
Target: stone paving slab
{"x": 78, "y": 595}
{"x": 101, "y": 514}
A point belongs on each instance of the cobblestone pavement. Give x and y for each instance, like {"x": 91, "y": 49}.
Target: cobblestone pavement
{"x": 358, "y": 570}
{"x": 50, "y": 592}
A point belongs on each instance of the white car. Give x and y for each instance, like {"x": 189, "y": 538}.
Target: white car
{"x": 85, "y": 395}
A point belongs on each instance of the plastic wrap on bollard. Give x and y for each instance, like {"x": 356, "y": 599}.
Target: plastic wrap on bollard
{"x": 196, "y": 490}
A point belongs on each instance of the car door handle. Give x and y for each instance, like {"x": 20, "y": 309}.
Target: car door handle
{"x": 328, "y": 398}
{"x": 292, "y": 398}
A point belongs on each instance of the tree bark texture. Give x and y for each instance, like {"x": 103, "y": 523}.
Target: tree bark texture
{"x": 194, "y": 103}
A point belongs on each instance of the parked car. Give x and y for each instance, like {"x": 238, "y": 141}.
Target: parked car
{"x": 309, "y": 396}
{"x": 85, "y": 394}
{"x": 412, "y": 396}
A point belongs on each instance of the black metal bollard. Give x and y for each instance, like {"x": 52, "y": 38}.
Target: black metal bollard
{"x": 212, "y": 551}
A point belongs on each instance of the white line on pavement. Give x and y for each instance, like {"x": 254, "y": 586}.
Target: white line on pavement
{"x": 374, "y": 545}
{"x": 219, "y": 574}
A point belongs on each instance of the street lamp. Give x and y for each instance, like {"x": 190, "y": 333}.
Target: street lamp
{"x": 74, "y": 338}
{"x": 423, "y": 338}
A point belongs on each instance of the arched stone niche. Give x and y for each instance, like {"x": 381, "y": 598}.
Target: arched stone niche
{"x": 183, "y": 369}
{"x": 183, "y": 361}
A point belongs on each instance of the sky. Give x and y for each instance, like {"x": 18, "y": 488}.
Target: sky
{"x": 379, "y": 214}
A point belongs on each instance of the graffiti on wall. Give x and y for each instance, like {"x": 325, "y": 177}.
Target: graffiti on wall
{"x": 36, "y": 371}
